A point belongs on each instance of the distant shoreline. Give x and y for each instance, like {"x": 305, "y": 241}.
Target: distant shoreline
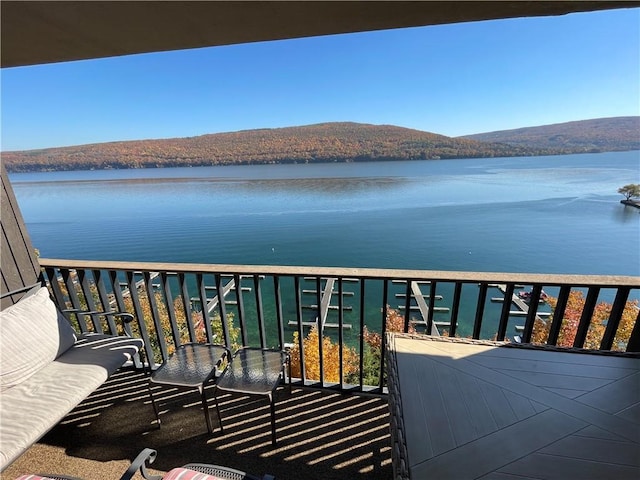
{"x": 631, "y": 203}
{"x": 331, "y": 143}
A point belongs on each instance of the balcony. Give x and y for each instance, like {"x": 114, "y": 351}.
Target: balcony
{"x": 322, "y": 432}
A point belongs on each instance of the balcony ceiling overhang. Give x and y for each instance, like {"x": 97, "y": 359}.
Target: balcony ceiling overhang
{"x": 39, "y": 32}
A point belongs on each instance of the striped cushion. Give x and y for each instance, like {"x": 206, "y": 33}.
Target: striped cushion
{"x": 186, "y": 474}
{"x": 32, "y": 334}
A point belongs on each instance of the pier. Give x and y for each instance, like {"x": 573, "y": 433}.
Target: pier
{"x": 213, "y": 302}
{"x": 422, "y": 307}
{"x": 523, "y": 308}
{"x": 325, "y": 306}
{"x": 126, "y": 292}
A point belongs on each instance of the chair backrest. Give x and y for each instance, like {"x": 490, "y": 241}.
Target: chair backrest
{"x": 18, "y": 261}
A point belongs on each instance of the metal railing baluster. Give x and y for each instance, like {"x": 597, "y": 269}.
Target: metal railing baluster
{"x": 319, "y": 326}
{"x": 558, "y": 314}
{"x": 362, "y": 324}
{"x": 186, "y": 306}
{"x": 259, "y": 310}
{"x": 529, "y": 325}
{"x": 137, "y": 308}
{"x": 103, "y": 296}
{"x": 614, "y": 318}
{"x": 432, "y": 304}
{"x": 204, "y": 305}
{"x": 223, "y": 311}
{"x": 171, "y": 311}
{"x": 85, "y": 287}
{"x": 455, "y": 308}
{"x": 340, "y": 333}
{"x": 504, "y": 314}
{"x": 482, "y": 299}
{"x": 278, "y": 300}
{"x": 240, "y": 304}
{"x": 298, "y": 295}
{"x": 407, "y": 306}
{"x": 585, "y": 317}
{"x": 383, "y": 329}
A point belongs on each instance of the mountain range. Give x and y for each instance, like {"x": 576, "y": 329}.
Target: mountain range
{"x": 598, "y": 135}
{"x": 333, "y": 142}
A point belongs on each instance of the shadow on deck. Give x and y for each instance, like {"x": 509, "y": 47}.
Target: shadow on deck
{"x": 320, "y": 434}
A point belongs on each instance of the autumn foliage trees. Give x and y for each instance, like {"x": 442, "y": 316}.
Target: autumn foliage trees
{"x": 571, "y": 320}
{"x": 372, "y": 354}
{"x": 321, "y": 143}
{"x": 330, "y": 357}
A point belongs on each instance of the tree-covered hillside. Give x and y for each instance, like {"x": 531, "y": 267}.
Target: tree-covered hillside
{"x": 597, "y": 135}
{"x": 332, "y": 142}
{"x": 327, "y": 142}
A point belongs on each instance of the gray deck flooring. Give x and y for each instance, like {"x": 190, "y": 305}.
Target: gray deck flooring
{"x": 481, "y": 411}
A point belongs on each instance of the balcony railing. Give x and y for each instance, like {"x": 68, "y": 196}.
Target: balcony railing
{"x": 349, "y": 309}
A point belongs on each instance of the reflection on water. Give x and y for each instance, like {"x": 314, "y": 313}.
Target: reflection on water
{"x": 324, "y": 186}
{"x": 626, "y": 214}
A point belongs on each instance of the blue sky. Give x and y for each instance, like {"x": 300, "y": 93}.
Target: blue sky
{"x": 450, "y": 79}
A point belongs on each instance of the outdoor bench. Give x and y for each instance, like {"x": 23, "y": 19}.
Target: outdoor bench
{"x": 47, "y": 369}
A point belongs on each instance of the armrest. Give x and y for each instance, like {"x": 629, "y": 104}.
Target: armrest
{"x": 125, "y": 316}
{"x": 140, "y": 462}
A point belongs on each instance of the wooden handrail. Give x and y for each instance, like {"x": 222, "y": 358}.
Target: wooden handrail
{"x": 548, "y": 279}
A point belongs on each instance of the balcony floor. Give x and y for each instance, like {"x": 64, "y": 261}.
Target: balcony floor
{"x": 320, "y": 434}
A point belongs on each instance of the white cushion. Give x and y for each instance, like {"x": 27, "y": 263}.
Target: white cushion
{"x": 29, "y": 410}
{"x": 33, "y": 333}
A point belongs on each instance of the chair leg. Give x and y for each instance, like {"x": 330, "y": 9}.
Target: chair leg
{"x": 215, "y": 397}
{"x": 144, "y": 458}
{"x": 205, "y": 406}
{"x": 147, "y": 371}
{"x": 153, "y": 402}
{"x": 273, "y": 418}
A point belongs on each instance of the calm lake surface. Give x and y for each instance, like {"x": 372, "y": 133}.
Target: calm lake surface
{"x": 558, "y": 214}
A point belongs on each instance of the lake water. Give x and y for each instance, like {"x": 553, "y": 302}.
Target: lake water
{"x": 558, "y": 214}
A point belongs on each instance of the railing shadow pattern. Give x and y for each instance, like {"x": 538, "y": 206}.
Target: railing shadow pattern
{"x": 321, "y": 435}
